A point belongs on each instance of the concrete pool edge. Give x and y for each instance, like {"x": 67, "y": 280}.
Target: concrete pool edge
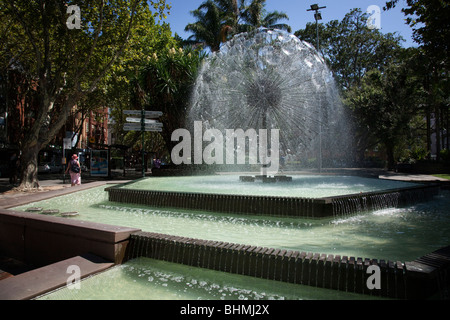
{"x": 273, "y": 205}
{"x": 40, "y": 281}
{"x": 422, "y": 278}
{"x": 47, "y": 244}
{"x": 418, "y": 279}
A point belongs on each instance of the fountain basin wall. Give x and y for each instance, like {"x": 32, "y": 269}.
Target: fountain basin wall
{"x": 40, "y": 240}
{"x": 419, "y": 279}
{"x": 276, "y": 205}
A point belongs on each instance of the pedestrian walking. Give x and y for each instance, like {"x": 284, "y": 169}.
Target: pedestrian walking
{"x": 74, "y": 169}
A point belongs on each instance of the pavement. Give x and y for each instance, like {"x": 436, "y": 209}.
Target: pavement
{"x": 53, "y": 184}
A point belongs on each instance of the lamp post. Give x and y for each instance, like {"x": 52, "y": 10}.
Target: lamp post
{"x": 317, "y": 17}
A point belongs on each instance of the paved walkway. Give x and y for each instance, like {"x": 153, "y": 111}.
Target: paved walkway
{"x": 52, "y": 186}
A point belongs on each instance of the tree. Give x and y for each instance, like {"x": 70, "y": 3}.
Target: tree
{"x": 218, "y": 20}
{"x": 120, "y": 90}
{"x": 208, "y": 27}
{"x": 431, "y": 26}
{"x": 167, "y": 80}
{"x": 431, "y": 30}
{"x": 255, "y": 16}
{"x": 385, "y": 103}
{"x": 351, "y": 50}
{"x": 68, "y": 64}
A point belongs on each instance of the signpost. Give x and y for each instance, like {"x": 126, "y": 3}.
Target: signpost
{"x": 138, "y": 120}
{"x": 144, "y": 125}
{"x": 148, "y": 114}
{"x": 147, "y": 127}
{"x": 67, "y": 144}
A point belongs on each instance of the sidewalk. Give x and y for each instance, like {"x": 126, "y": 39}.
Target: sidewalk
{"x": 52, "y": 185}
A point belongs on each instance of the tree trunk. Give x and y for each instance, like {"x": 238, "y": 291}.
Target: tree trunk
{"x": 29, "y": 168}
{"x": 447, "y": 130}
{"x": 437, "y": 124}
{"x": 428, "y": 119}
{"x": 390, "y": 157}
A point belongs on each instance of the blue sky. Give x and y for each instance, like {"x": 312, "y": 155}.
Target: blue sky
{"x": 391, "y": 21}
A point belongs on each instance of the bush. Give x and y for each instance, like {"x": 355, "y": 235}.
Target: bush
{"x": 445, "y": 155}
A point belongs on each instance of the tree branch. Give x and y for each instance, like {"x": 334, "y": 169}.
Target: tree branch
{"x": 118, "y": 52}
{"x": 94, "y": 45}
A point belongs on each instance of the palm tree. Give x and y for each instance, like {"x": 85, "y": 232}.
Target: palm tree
{"x": 218, "y": 20}
{"x": 271, "y": 19}
{"x": 255, "y": 16}
{"x": 208, "y": 28}
{"x": 167, "y": 80}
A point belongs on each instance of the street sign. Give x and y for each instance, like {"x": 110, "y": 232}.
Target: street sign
{"x": 147, "y": 129}
{"x": 137, "y": 127}
{"x": 147, "y": 121}
{"x": 141, "y": 124}
{"x": 67, "y": 143}
{"x": 147, "y": 114}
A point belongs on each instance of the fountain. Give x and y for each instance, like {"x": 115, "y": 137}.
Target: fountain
{"x": 269, "y": 80}
{"x": 265, "y": 80}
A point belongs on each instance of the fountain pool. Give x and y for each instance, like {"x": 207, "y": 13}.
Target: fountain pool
{"x": 393, "y": 233}
{"x": 149, "y": 279}
{"x": 306, "y": 186}
{"x": 302, "y": 196}
{"x": 398, "y": 234}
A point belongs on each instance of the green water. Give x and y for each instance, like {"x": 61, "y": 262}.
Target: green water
{"x": 148, "y": 279}
{"x": 306, "y": 186}
{"x": 393, "y": 234}
{"x": 399, "y": 234}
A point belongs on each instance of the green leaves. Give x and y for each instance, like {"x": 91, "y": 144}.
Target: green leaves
{"x": 351, "y": 48}
{"x": 76, "y": 69}
{"x": 167, "y": 80}
{"x": 385, "y": 103}
{"x": 218, "y": 20}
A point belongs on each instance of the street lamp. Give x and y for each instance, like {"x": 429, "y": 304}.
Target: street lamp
{"x": 317, "y": 17}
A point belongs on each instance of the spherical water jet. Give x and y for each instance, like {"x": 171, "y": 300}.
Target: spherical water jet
{"x": 269, "y": 79}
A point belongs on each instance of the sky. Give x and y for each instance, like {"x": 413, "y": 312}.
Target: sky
{"x": 391, "y": 21}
